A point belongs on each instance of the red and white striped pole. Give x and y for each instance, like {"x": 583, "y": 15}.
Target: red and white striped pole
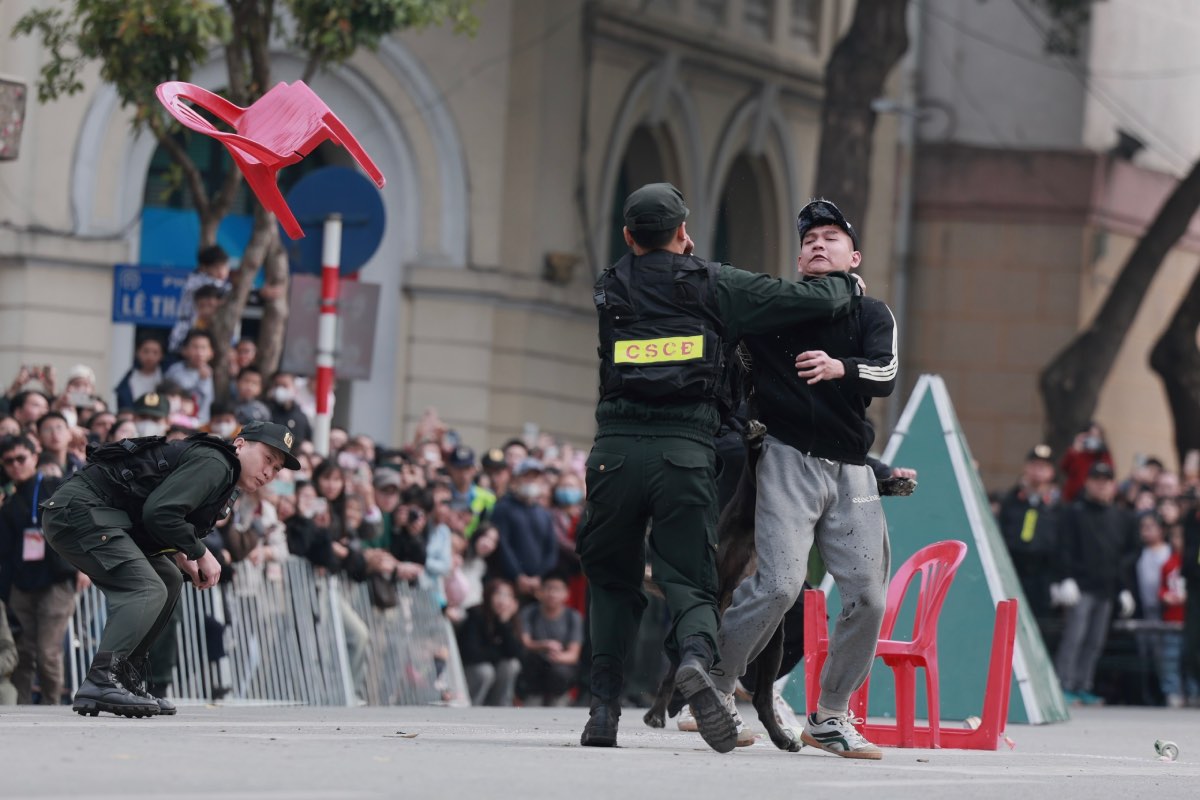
{"x": 331, "y": 259}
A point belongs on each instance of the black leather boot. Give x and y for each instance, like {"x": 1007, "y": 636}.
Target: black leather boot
{"x": 717, "y": 726}
{"x": 601, "y": 728}
{"x": 103, "y": 690}
{"x": 136, "y": 678}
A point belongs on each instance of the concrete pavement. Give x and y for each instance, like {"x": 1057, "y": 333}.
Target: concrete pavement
{"x": 323, "y": 753}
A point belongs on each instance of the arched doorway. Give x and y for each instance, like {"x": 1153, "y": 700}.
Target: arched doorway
{"x": 746, "y": 209}
{"x": 648, "y": 158}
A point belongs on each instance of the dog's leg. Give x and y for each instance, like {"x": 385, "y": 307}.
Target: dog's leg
{"x": 735, "y": 532}
{"x": 656, "y": 716}
{"x": 764, "y": 687}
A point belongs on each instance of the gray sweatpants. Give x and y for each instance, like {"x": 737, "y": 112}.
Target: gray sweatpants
{"x": 1084, "y": 635}
{"x": 802, "y": 499}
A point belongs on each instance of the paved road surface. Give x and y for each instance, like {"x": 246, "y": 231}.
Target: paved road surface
{"x": 529, "y": 754}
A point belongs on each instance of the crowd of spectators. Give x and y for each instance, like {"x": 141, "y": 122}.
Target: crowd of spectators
{"x": 478, "y": 532}
{"x": 1091, "y": 546}
{"x": 490, "y": 536}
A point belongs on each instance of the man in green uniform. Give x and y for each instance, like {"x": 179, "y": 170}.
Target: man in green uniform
{"x": 133, "y": 520}
{"x": 668, "y": 324}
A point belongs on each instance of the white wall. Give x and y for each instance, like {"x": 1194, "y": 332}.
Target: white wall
{"x": 1145, "y": 78}
{"x": 986, "y": 79}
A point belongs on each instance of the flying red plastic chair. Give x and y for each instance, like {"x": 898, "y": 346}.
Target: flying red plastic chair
{"x": 278, "y": 129}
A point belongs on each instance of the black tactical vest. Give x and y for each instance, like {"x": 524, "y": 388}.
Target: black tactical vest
{"x": 661, "y": 335}
{"x": 129, "y": 470}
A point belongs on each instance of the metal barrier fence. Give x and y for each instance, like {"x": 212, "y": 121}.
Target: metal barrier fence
{"x": 288, "y": 635}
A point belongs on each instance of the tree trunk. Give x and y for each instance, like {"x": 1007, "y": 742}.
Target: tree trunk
{"x": 275, "y": 309}
{"x": 248, "y": 64}
{"x": 855, "y": 75}
{"x": 1071, "y": 383}
{"x": 229, "y": 315}
{"x": 1176, "y": 359}
{"x": 209, "y": 224}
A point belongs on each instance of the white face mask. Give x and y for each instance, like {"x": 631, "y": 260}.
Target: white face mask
{"x": 530, "y": 491}
{"x": 150, "y": 427}
{"x": 282, "y": 394}
{"x": 225, "y": 429}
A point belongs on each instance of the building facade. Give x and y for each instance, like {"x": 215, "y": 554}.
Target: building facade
{"x": 507, "y": 157}
{"x": 1025, "y": 209}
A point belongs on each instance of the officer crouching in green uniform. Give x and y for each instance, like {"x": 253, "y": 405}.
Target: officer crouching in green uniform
{"x": 669, "y": 323}
{"x": 132, "y": 519}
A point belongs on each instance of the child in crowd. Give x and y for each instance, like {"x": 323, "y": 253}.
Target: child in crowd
{"x": 248, "y": 404}
{"x": 194, "y": 373}
{"x": 490, "y": 646}
{"x": 145, "y": 375}
{"x": 212, "y": 269}
{"x": 552, "y": 635}
{"x": 1172, "y": 594}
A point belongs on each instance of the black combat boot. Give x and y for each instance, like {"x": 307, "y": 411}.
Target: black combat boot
{"x": 135, "y": 675}
{"x": 601, "y": 728}
{"x": 103, "y": 690}
{"x": 717, "y": 725}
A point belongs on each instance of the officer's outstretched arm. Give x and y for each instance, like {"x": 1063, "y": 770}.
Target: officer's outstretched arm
{"x": 751, "y": 302}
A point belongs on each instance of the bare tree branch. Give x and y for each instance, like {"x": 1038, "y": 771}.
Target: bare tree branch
{"x": 1071, "y": 383}
{"x": 275, "y": 308}
{"x": 1176, "y": 359}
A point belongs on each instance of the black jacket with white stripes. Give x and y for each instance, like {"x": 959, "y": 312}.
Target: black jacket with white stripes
{"x": 827, "y": 419}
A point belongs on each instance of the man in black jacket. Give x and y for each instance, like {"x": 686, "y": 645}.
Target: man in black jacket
{"x": 813, "y": 382}
{"x": 528, "y": 548}
{"x": 35, "y": 581}
{"x": 1027, "y": 522}
{"x": 1098, "y": 541}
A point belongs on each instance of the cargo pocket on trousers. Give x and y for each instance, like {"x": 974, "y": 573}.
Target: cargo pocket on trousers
{"x": 689, "y": 477}
{"x": 603, "y": 480}
{"x": 110, "y": 545}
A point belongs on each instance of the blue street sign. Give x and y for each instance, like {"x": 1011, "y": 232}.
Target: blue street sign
{"x": 335, "y": 190}
{"x": 147, "y": 295}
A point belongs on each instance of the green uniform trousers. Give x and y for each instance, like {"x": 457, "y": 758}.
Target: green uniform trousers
{"x": 670, "y": 483}
{"x": 141, "y": 589}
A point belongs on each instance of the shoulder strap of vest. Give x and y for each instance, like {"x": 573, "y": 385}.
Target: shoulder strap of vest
{"x": 714, "y": 274}
{"x": 120, "y": 455}
{"x": 117, "y": 451}
{"x": 210, "y": 440}
{"x": 617, "y": 276}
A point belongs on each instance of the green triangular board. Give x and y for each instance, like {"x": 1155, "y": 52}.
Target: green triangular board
{"x": 950, "y": 503}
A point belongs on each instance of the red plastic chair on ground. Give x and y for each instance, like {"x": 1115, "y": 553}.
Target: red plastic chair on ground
{"x": 936, "y": 564}
{"x": 278, "y": 129}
